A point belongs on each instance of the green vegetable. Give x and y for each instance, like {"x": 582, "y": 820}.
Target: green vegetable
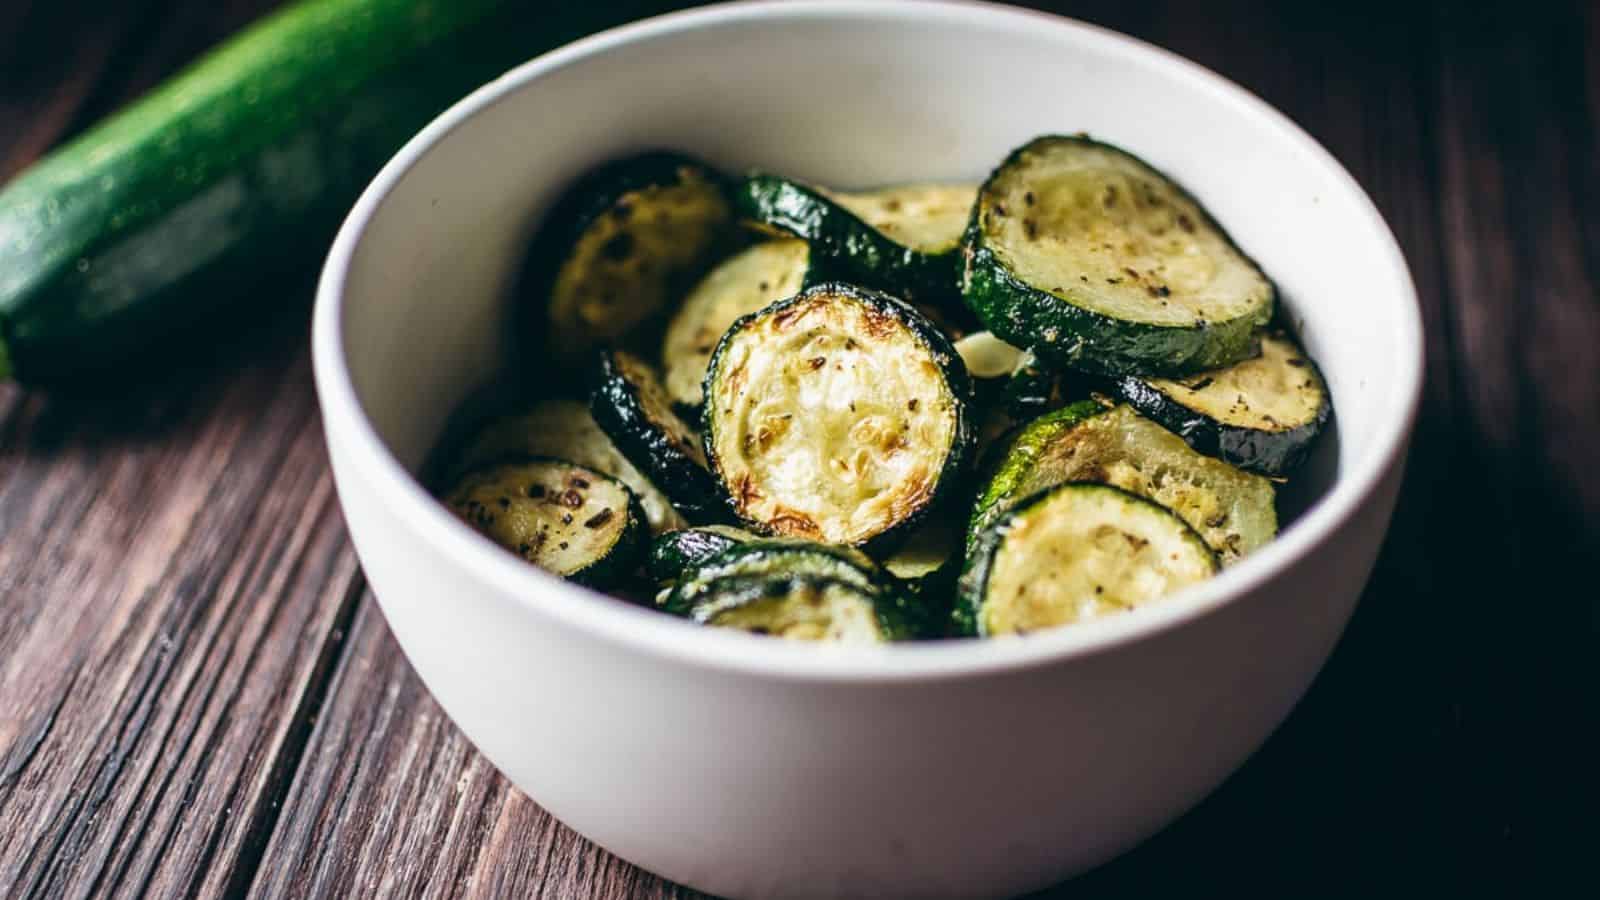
{"x": 1262, "y": 414}
{"x": 622, "y": 244}
{"x": 675, "y": 551}
{"x": 1093, "y": 260}
{"x": 630, "y": 405}
{"x": 1075, "y": 552}
{"x": 838, "y": 415}
{"x": 1232, "y": 510}
{"x": 162, "y": 216}
{"x": 799, "y": 607}
{"x": 904, "y": 240}
{"x": 564, "y": 518}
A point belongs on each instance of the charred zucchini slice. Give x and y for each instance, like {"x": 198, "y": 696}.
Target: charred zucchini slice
{"x": 564, "y": 518}
{"x": 1261, "y": 414}
{"x": 799, "y": 607}
{"x": 675, "y": 551}
{"x": 1075, "y": 552}
{"x": 838, "y": 415}
{"x": 630, "y": 405}
{"x": 624, "y": 241}
{"x": 744, "y": 283}
{"x": 1093, "y": 260}
{"x": 1232, "y": 510}
{"x": 565, "y": 430}
{"x": 902, "y": 239}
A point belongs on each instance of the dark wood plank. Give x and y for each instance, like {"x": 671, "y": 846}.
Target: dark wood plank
{"x": 393, "y": 800}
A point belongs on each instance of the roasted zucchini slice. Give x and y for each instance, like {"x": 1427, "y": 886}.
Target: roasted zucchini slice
{"x": 1232, "y": 510}
{"x": 839, "y": 415}
{"x": 1075, "y": 552}
{"x": 799, "y": 607}
{"x": 1094, "y": 260}
{"x": 675, "y": 551}
{"x": 1261, "y": 414}
{"x": 903, "y": 239}
{"x": 744, "y": 283}
{"x": 564, "y": 518}
{"x": 564, "y": 429}
{"x": 778, "y": 557}
{"x": 630, "y": 405}
{"x": 619, "y": 246}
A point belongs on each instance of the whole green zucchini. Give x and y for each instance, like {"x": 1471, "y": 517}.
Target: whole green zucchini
{"x": 167, "y": 212}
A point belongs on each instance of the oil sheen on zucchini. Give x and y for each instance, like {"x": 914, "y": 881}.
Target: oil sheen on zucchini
{"x": 1092, "y": 259}
{"x": 1261, "y": 414}
{"x": 564, "y": 429}
{"x": 744, "y": 283}
{"x": 675, "y": 551}
{"x": 626, "y": 240}
{"x": 1076, "y": 552}
{"x": 1232, "y": 510}
{"x": 902, "y": 239}
{"x": 838, "y": 415}
{"x": 797, "y": 607}
{"x": 630, "y": 405}
{"x": 563, "y": 518}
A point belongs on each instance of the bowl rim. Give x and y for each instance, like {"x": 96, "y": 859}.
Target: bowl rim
{"x": 616, "y": 621}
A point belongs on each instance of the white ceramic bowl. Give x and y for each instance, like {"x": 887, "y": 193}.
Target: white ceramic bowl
{"x": 746, "y": 766}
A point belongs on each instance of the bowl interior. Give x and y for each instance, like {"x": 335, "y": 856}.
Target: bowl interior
{"x": 852, "y": 96}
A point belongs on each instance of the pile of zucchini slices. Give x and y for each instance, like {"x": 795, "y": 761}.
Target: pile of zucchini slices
{"x": 924, "y": 411}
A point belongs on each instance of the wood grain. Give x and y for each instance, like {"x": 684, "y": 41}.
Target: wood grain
{"x": 198, "y": 696}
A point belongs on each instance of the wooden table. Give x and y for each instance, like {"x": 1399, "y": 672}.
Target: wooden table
{"x": 198, "y": 694}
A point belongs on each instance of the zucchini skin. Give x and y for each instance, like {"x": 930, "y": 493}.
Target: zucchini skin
{"x": 1069, "y": 335}
{"x": 615, "y": 569}
{"x": 240, "y": 166}
{"x": 591, "y": 196}
{"x": 1273, "y": 453}
{"x": 676, "y": 551}
{"x": 972, "y": 585}
{"x": 957, "y": 459}
{"x": 725, "y": 594}
{"x": 845, "y": 246}
{"x": 615, "y": 404}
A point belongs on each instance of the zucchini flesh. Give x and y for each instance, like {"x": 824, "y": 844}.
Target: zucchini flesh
{"x": 624, "y": 242}
{"x": 839, "y": 415}
{"x": 565, "y": 429}
{"x": 568, "y": 520}
{"x": 1232, "y": 510}
{"x": 903, "y": 240}
{"x": 1076, "y": 552}
{"x": 630, "y": 405}
{"x": 926, "y": 218}
{"x": 1261, "y": 414}
{"x": 795, "y": 607}
{"x": 744, "y": 283}
{"x": 1092, "y": 259}
{"x": 676, "y": 551}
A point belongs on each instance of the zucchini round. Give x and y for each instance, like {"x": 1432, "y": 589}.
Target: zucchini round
{"x": 777, "y": 557}
{"x": 1093, "y": 260}
{"x": 564, "y": 429}
{"x": 1261, "y": 414}
{"x": 566, "y": 519}
{"x": 675, "y": 551}
{"x": 624, "y": 241}
{"x": 904, "y": 239}
{"x": 1075, "y": 552}
{"x": 630, "y": 405}
{"x": 799, "y": 607}
{"x": 744, "y": 283}
{"x": 1232, "y": 510}
{"x": 839, "y": 415}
